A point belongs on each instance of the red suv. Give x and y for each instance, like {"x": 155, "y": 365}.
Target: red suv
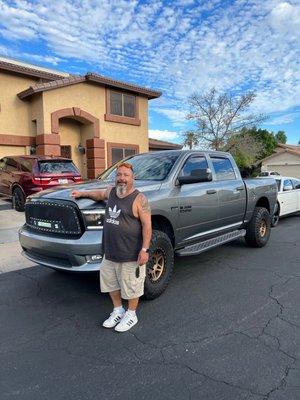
{"x": 21, "y": 176}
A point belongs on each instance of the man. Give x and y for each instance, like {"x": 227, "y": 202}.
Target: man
{"x": 127, "y": 236}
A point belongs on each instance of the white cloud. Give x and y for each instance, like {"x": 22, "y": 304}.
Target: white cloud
{"x": 177, "y": 117}
{"x": 284, "y": 119}
{"x": 179, "y": 46}
{"x": 164, "y": 135}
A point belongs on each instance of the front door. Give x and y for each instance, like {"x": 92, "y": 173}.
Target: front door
{"x": 198, "y": 203}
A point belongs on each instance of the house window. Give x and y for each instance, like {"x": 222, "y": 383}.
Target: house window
{"x": 118, "y": 151}
{"x": 122, "y": 104}
{"x": 122, "y": 108}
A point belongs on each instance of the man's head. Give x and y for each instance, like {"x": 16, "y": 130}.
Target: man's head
{"x": 124, "y": 179}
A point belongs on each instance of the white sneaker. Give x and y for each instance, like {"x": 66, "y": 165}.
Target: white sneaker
{"x": 114, "y": 318}
{"x": 127, "y": 322}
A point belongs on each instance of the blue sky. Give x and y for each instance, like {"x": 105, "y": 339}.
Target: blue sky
{"x": 178, "y": 47}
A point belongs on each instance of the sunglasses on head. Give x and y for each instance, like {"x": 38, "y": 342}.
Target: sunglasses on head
{"x": 126, "y": 165}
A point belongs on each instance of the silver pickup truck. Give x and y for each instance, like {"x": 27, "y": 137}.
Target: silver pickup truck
{"x": 198, "y": 201}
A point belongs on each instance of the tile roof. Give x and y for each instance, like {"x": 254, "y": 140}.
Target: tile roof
{"x": 151, "y": 94}
{"x": 54, "y": 84}
{"x": 286, "y": 149}
{"x": 90, "y": 77}
{"x": 25, "y": 69}
{"x": 55, "y": 79}
{"x": 295, "y": 148}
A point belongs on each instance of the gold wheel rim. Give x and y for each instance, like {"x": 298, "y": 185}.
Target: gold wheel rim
{"x": 158, "y": 265}
{"x": 263, "y": 228}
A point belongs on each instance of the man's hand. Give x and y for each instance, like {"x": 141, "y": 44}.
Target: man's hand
{"x": 76, "y": 194}
{"x": 143, "y": 257}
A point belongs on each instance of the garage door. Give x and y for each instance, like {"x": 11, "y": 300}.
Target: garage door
{"x": 286, "y": 170}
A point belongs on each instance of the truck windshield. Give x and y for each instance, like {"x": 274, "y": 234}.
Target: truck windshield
{"x": 146, "y": 167}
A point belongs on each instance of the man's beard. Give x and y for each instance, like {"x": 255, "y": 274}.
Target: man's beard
{"x": 121, "y": 189}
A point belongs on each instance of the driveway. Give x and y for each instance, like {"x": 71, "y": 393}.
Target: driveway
{"x": 228, "y": 327}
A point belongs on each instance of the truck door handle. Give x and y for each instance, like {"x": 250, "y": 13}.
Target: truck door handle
{"x": 211, "y": 191}
{"x": 240, "y": 188}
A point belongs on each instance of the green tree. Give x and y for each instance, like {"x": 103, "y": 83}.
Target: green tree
{"x": 265, "y": 138}
{"x": 190, "y": 139}
{"x": 219, "y": 116}
{"x": 245, "y": 149}
{"x": 281, "y": 137}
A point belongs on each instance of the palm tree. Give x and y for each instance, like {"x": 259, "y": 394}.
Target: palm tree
{"x": 190, "y": 139}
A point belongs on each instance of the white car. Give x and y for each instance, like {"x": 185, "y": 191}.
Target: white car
{"x": 264, "y": 174}
{"x": 288, "y": 200}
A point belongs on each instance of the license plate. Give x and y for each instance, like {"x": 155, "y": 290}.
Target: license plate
{"x": 63, "y": 181}
{"x": 44, "y": 224}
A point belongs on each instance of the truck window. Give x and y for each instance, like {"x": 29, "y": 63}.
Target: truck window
{"x": 223, "y": 168}
{"x": 192, "y": 165}
{"x": 146, "y": 167}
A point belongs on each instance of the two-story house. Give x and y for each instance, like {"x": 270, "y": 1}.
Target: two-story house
{"x": 90, "y": 118}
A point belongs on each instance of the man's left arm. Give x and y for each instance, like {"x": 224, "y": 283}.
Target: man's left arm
{"x": 144, "y": 213}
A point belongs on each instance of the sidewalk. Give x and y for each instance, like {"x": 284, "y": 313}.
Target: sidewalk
{"x": 10, "y": 249}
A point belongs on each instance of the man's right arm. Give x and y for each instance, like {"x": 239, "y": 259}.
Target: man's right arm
{"x": 96, "y": 195}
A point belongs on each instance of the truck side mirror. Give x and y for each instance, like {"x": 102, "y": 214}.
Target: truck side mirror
{"x": 196, "y": 176}
{"x": 287, "y": 187}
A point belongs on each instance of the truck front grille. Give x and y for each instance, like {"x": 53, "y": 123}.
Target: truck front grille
{"x": 57, "y": 217}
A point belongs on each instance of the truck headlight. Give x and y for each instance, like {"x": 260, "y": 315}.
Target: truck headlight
{"x": 93, "y": 218}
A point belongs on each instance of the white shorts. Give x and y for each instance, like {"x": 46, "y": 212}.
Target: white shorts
{"x": 122, "y": 276}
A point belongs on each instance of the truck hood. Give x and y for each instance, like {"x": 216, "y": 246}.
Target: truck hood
{"x": 64, "y": 192}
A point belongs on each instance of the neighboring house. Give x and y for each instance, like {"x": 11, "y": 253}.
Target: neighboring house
{"x": 286, "y": 161}
{"x": 92, "y": 119}
{"x": 156, "y": 145}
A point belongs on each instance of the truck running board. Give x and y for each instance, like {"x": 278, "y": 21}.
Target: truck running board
{"x": 210, "y": 243}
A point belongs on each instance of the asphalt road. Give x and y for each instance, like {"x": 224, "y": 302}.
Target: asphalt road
{"x": 228, "y": 327}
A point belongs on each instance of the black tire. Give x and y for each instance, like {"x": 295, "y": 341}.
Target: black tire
{"x": 259, "y": 228}
{"x": 18, "y": 199}
{"x": 160, "y": 265}
{"x": 275, "y": 217}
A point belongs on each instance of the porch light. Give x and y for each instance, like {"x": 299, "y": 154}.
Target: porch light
{"x": 81, "y": 149}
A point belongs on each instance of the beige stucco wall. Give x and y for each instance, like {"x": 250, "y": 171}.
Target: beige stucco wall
{"x": 287, "y": 170}
{"x": 36, "y": 114}
{"x": 91, "y": 98}
{"x": 32, "y": 117}
{"x": 72, "y": 134}
{"x": 15, "y": 114}
{"x": 13, "y": 151}
{"x": 286, "y": 164}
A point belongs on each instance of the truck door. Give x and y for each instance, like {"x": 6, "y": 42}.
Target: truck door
{"x": 231, "y": 192}
{"x": 8, "y": 175}
{"x": 198, "y": 203}
{"x": 288, "y": 198}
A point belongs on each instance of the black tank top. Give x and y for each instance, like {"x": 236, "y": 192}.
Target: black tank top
{"x": 122, "y": 230}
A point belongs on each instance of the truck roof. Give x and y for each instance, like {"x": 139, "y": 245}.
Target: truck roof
{"x": 214, "y": 152}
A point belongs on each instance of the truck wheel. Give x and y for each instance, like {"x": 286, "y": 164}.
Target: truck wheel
{"x": 275, "y": 217}
{"x": 259, "y": 228}
{"x": 160, "y": 265}
{"x": 18, "y": 199}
